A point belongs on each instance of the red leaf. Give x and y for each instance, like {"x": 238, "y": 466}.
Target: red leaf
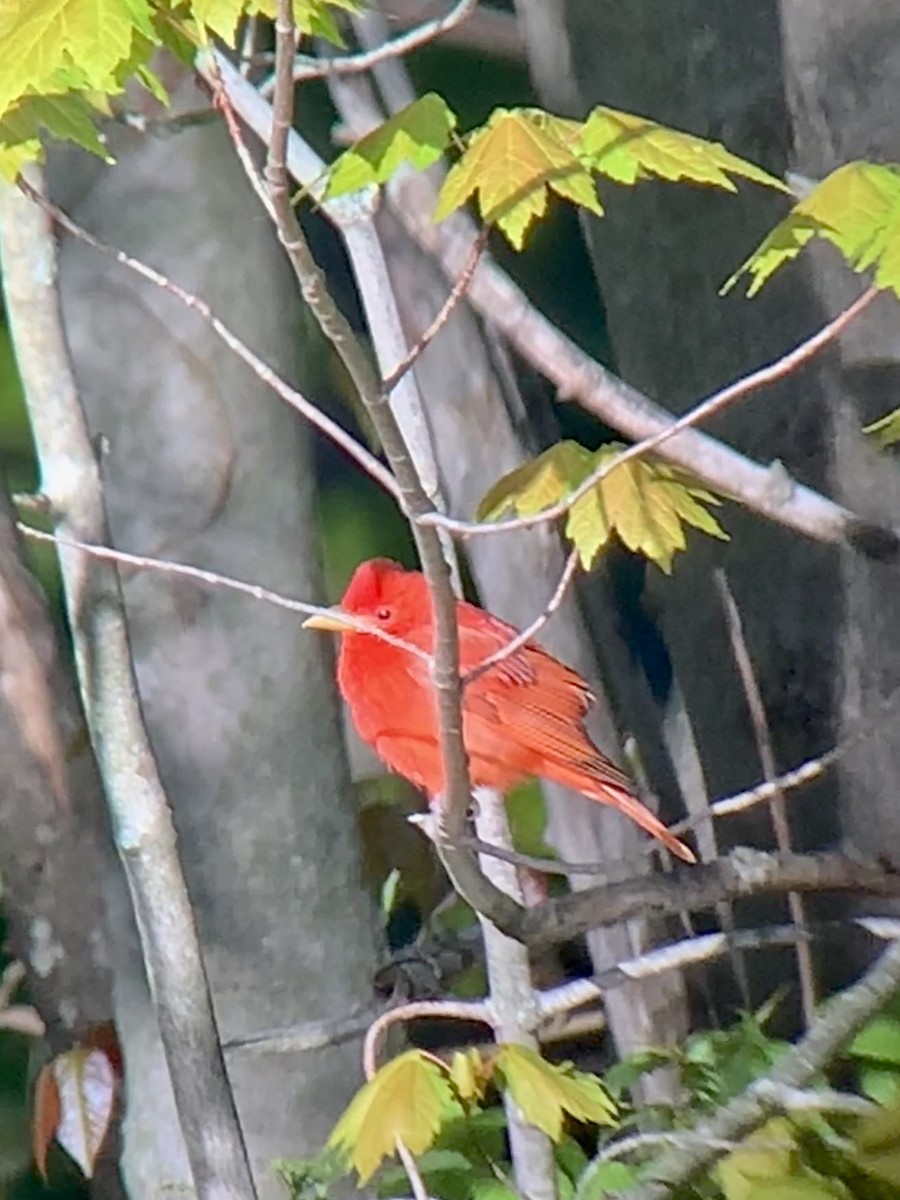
{"x": 46, "y": 1116}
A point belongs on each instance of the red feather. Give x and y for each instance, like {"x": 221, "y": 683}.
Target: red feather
{"x": 522, "y": 717}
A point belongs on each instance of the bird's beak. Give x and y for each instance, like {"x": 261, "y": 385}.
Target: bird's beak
{"x": 333, "y": 621}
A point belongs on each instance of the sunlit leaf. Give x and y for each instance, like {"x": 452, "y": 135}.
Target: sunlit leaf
{"x": 763, "y": 1158}
{"x": 417, "y": 135}
{"x": 469, "y": 1073}
{"x": 410, "y": 1098}
{"x": 87, "y": 1088}
{"x": 628, "y": 148}
{"x": 856, "y": 209}
{"x": 315, "y": 18}
{"x": 605, "y": 1179}
{"x": 645, "y": 502}
{"x": 509, "y": 165}
{"x": 545, "y": 1092}
{"x": 885, "y": 431}
{"x": 42, "y": 36}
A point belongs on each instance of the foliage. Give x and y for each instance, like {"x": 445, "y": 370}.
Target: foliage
{"x": 885, "y": 431}
{"x": 647, "y": 503}
{"x": 856, "y": 209}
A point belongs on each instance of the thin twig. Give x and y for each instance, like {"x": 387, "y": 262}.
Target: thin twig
{"x": 532, "y": 630}
{"x": 369, "y": 463}
{"x": 454, "y": 1010}
{"x": 766, "y": 753}
{"x": 354, "y": 64}
{"x": 457, "y": 292}
{"x": 140, "y": 816}
{"x": 419, "y": 1190}
{"x": 707, "y": 408}
{"x": 214, "y": 579}
{"x": 223, "y": 105}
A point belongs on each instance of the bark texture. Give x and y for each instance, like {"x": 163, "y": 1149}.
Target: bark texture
{"x": 203, "y": 465}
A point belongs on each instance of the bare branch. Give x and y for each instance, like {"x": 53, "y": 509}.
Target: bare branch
{"x": 290, "y": 395}
{"x": 141, "y": 818}
{"x": 354, "y": 64}
{"x": 797, "y": 1067}
{"x": 777, "y": 807}
{"x": 532, "y": 630}
{"x": 713, "y": 405}
{"x": 743, "y": 873}
{"x": 442, "y": 316}
{"x": 488, "y": 31}
{"x": 214, "y": 579}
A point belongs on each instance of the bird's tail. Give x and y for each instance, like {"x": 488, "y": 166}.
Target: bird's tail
{"x": 616, "y": 795}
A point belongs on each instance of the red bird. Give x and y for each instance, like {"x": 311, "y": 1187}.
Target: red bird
{"x": 522, "y": 717}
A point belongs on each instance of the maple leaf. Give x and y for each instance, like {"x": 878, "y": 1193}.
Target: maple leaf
{"x": 417, "y": 135}
{"x": 627, "y": 148}
{"x": 410, "y": 1098}
{"x": 645, "y": 502}
{"x": 856, "y": 209}
{"x": 545, "y": 1092}
{"x": 511, "y": 163}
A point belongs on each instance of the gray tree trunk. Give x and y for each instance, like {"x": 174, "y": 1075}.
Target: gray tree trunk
{"x": 203, "y": 465}
{"x": 807, "y": 86}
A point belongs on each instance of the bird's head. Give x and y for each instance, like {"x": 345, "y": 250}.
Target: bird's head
{"x": 381, "y": 594}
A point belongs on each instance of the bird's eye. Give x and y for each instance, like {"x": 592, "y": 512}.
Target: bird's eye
{"x": 383, "y": 614}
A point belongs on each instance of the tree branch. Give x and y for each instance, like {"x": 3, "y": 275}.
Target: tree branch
{"x": 141, "y": 818}
{"x": 743, "y": 873}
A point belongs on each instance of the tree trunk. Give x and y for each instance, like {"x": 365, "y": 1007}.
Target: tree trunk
{"x": 202, "y": 464}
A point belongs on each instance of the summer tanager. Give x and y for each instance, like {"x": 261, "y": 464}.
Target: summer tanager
{"x": 522, "y": 716}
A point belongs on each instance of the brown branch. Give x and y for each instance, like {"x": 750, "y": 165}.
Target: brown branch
{"x": 532, "y": 630}
{"x": 777, "y": 808}
{"x": 369, "y": 463}
{"x": 743, "y": 873}
{"x": 454, "y": 297}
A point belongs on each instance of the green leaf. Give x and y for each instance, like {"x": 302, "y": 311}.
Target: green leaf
{"x": 880, "y": 1085}
{"x": 627, "y": 148}
{"x": 538, "y": 484}
{"x": 856, "y": 209}
{"x": 545, "y": 1092}
{"x": 410, "y": 1098}
{"x": 314, "y": 18}
{"x": 625, "y": 1074}
{"x": 510, "y": 163}
{"x": 764, "y": 1158}
{"x": 68, "y": 118}
{"x": 389, "y": 891}
{"x": 878, "y": 1040}
{"x": 646, "y": 502}
{"x": 417, "y": 135}
{"x": 493, "y": 1189}
{"x": 606, "y": 1178}
{"x": 885, "y": 431}
{"x": 41, "y": 37}
{"x": 527, "y": 815}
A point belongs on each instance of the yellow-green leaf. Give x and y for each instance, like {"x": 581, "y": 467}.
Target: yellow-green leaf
{"x": 856, "y": 209}
{"x": 315, "y": 18}
{"x": 538, "y": 484}
{"x": 768, "y": 1155}
{"x": 509, "y": 165}
{"x": 545, "y": 1092}
{"x": 627, "y": 148}
{"x": 41, "y": 36}
{"x": 417, "y": 135}
{"x": 410, "y": 1098}
{"x": 647, "y": 503}
{"x": 469, "y": 1073}
{"x": 886, "y": 430}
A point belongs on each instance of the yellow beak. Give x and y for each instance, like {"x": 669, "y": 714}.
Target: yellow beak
{"x": 330, "y": 622}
